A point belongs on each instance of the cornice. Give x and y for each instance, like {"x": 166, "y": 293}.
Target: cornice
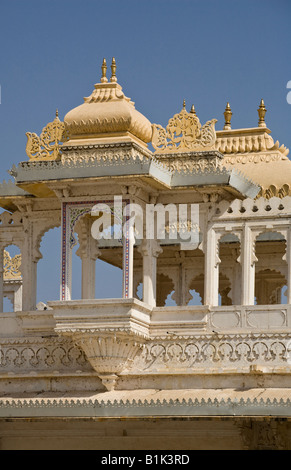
{"x": 215, "y": 405}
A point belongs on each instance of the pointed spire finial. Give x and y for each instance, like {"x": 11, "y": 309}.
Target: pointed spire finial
{"x": 184, "y": 104}
{"x": 57, "y": 113}
{"x": 113, "y": 71}
{"x": 262, "y": 111}
{"x": 193, "y": 110}
{"x": 227, "y": 117}
{"x": 104, "y": 68}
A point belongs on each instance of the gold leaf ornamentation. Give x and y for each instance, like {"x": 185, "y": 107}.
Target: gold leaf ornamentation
{"x": 47, "y": 145}
{"x": 183, "y": 134}
{"x": 11, "y": 266}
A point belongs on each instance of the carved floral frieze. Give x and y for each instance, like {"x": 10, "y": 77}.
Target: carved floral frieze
{"x": 216, "y": 351}
{"x": 41, "y": 354}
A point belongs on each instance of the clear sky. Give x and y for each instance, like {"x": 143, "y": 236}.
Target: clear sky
{"x": 206, "y": 52}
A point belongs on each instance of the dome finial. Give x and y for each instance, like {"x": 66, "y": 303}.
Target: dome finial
{"x": 104, "y": 68}
{"x": 262, "y": 111}
{"x": 184, "y": 104}
{"x": 113, "y": 71}
{"x": 193, "y": 110}
{"x": 227, "y": 116}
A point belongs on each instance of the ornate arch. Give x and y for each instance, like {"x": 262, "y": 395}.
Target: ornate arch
{"x": 47, "y": 225}
{"x": 165, "y": 285}
{"x": 280, "y": 231}
{"x": 196, "y": 284}
{"x": 268, "y": 286}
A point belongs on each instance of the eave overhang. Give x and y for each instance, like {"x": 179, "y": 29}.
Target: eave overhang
{"x": 97, "y": 162}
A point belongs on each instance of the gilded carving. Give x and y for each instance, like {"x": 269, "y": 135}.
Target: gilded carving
{"x": 242, "y": 144}
{"x": 197, "y": 164}
{"x": 184, "y": 133}
{"x": 274, "y": 191}
{"x": 47, "y": 145}
{"x": 11, "y": 266}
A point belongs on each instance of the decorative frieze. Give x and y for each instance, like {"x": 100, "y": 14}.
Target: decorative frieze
{"x": 103, "y": 154}
{"x": 198, "y": 162}
{"x": 250, "y": 208}
{"x": 200, "y": 403}
{"x": 275, "y": 191}
{"x": 25, "y": 355}
{"x": 221, "y": 351}
{"x": 246, "y": 142}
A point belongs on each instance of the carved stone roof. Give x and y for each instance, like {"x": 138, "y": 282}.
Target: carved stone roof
{"x": 107, "y": 112}
{"x": 254, "y": 153}
{"x": 88, "y": 144}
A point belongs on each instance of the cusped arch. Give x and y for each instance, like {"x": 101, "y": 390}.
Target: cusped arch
{"x": 196, "y": 285}
{"x": 225, "y": 288}
{"x": 266, "y": 234}
{"x": 165, "y": 285}
{"x": 48, "y": 225}
{"x": 268, "y": 286}
{"x": 277, "y": 239}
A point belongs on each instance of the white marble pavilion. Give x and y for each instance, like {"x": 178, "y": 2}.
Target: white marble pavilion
{"x": 210, "y": 371}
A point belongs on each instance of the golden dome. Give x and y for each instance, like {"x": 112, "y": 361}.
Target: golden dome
{"x": 107, "y": 111}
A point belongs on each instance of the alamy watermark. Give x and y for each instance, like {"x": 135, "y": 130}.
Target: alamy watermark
{"x": 288, "y": 96}
{"x": 172, "y": 222}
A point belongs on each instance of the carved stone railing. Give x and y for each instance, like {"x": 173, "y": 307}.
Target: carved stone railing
{"x": 248, "y": 207}
{"x": 118, "y": 340}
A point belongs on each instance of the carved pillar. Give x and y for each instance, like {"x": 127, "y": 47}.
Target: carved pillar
{"x": 17, "y": 299}
{"x": 181, "y": 287}
{"x": 248, "y": 260}
{"x": 66, "y": 254}
{"x": 29, "y": 273}
{"x": 127, "y": 264}
{"x": 235, "y": 275}
{"x": 211, "y": 269}
{"x": 88, "y": 252}
{"x": 236, "y": 284}
{"x": 150, "y": 250}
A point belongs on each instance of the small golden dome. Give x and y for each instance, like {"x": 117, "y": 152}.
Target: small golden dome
{"x": 107, "y": 111}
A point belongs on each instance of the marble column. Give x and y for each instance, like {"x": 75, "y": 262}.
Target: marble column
{"x": 30, "y": 255}
{"x": 150, "y": 250}
{"x": 211, "y": 279}
{"x": 88, "y": 252}
{"x": 248, "y": 260}
{"x": 127, "y": 264}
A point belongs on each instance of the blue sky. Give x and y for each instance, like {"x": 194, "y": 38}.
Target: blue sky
{"x": 207, "y": 53}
